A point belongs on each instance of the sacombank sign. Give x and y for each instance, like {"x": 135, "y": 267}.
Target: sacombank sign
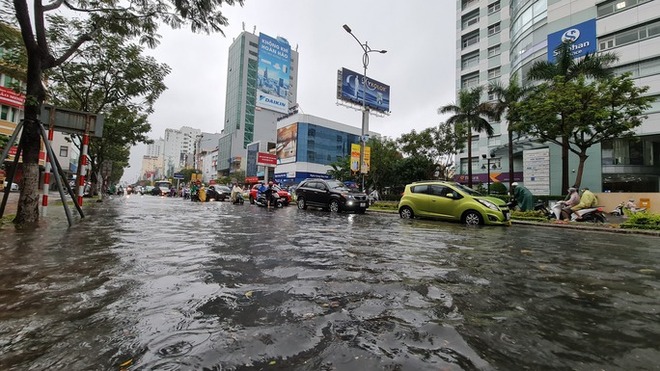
{"x": 581, "y": 37}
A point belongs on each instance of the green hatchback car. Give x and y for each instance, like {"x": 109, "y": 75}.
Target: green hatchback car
{"x": 452, "y": 202}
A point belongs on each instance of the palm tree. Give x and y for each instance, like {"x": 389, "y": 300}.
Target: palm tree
{"x": 469, "y": 112}
{"x": 507, "y": 97}
{"x": 569, "y": 68}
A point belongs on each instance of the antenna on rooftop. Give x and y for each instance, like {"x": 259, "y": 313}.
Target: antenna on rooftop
{"x": 254, "y": 30}
{"x": 243, "y": 25}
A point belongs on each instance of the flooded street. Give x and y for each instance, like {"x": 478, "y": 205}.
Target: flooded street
{"x": 150, "y": 283}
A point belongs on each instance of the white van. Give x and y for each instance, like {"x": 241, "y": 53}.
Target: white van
{"x": 161, "y": 188}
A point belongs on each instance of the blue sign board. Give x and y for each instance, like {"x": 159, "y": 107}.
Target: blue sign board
{"x": 581, "y": 37}
{"x": 351, "y": 88}
{"x": 273, "y": 74}
{"x": 177, "y": 176}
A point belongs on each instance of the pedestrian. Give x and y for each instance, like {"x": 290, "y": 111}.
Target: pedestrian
{"x": 523, "y": 197}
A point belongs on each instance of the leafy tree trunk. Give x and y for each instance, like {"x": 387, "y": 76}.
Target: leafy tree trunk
{"x": 30, "y": 142}
{"x": 583, "y": 159}
{"x": 564, "y": 163}
{"x": 510, "y": 157}
{"x": 469, "y": 149}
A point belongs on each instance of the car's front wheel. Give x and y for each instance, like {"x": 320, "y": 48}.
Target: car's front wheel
{"x": 302, "y": 205}
{"x": 334, "y": 206}
{"x": 472, "y": 218}
{"x": 406, "y": 213}
{"x": 251, "y": 200}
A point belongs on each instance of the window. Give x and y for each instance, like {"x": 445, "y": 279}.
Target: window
{"x": 615, "y": 6}
{"x": 470, "y": 19}
{"x": 64, "y": 151}
{"x": 494, "y": 73}
{"x": 470, "y": 39}
{"x": 494, "y": 51}
{"x": 467, "y": 3}
{"x": 494, "y": 7}
{"x": 494, "y": 29}
{"x": 643, "y": 32}
{"x": 470, "y": 81}
{"x": 4, "y": 114}
{"x": 470, "y": 60}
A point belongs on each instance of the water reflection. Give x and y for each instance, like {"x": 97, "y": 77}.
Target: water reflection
{"x": 157, "y": 283}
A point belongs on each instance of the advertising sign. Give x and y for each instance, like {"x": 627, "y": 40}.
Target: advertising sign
{"x": 9, "y": 97}
{"x": 536, "y": 165}
{"x": 273, "y": 74}
{"x": 287, "y": 138}
{"x": 351, "y": 88}
{"x": 366, "y": 166}
{"x": 581, "y": 37}
{"x": 266, "y": 159}
{"x": 355, "y": 157}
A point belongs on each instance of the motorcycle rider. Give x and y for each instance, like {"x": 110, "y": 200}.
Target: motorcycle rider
{"x": 269, "y": 193}
{"x": 587, "y": 200}
{"x": 236, "y": 192}
{"x": 572, "y": 199}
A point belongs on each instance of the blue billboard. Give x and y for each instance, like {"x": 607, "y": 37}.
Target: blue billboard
{"x": 273, "y": 73}
{"x": 351, "y": 88}
{"x": 581, "y": 37}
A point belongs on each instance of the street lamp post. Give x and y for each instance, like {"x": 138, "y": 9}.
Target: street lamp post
{"x": 488, "y": 160}
{"x": 365, "y": 110}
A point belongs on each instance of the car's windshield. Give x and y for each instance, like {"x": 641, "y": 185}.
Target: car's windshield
{"x": 163, "y": 184}
{"x": 335, "y": 184}
{"x": 467, "y": 190}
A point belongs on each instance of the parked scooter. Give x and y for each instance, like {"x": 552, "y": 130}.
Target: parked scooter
{"x": 630, "y": 206}
{"x": 275, "y": 200}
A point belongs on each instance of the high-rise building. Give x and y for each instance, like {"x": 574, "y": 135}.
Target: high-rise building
{"x": 262, "y": 76}
{"x": 497, "y": 38}
{"x": 179, "y": 148}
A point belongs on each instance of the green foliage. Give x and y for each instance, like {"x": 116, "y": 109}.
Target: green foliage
{"x": 385, "y": 206}
{"x": 469, "y": 114}
{"x": 531, "y": 215}
{"x": 498, "y": 188}
{"x": 642, "y": 220}
{"x": 13, "y": 58}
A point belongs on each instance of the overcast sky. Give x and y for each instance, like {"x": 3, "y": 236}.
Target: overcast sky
{"x": 419, "y": 66}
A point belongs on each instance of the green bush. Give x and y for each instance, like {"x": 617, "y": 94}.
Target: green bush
{"x": 532, "y": 215}
{"x": 498, "y": 188}
{"x": 642, "y": 220}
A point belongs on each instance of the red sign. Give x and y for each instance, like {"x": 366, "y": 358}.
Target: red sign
{"x": 266, "y": 159}
{"x": 251, "y": 179}
{"x": 11, "y": 98}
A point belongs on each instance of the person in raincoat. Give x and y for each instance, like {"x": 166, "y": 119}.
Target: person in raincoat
{"x": 524, "y": 198}
{"x": 587, "y": 200}
{"x": 202, "y": 193}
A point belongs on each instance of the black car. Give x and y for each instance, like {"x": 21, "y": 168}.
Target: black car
{"x": 218, "y": 192}
{"x": 330, "y": 194}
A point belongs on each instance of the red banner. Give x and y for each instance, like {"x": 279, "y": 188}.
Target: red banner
{"x": 11, "y": 98}
{"x": 266, "y": 159}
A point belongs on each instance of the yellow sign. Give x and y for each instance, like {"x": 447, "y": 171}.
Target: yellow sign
{"x": 355, "y": 157}
{"x": 366, "y": 166}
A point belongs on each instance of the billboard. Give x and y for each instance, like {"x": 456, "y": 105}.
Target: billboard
{"x": 273, "y": 74}
{"x": 287, "y": 139}
{"x": 581, "y": 37}
{"x": 9, "y": 97}
{"x": 351, "y": 88}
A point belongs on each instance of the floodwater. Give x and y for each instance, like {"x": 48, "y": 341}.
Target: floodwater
{"x": 151, "y": 283}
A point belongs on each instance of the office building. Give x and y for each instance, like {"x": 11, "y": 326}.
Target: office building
{"x": 497, "y": 38}
{"x": 307, "y": 145}
{"x": 262, "y": 75}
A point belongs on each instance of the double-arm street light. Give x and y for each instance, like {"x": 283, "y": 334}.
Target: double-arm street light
{"x": 488, "y": 166}
{"x": 365, "y": 110}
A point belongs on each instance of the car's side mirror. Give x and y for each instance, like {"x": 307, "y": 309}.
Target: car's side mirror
{"x": 450, "y": 195}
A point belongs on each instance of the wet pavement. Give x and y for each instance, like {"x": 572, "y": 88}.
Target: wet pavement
{"x": 150, "y": 283}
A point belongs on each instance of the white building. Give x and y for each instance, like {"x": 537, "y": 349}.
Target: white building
{"x": 496, "y": 39}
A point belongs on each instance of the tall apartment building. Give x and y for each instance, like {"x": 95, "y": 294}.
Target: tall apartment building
{"x": 262, "y": 76}
{"x": 179, "y": 148}
{"x": 497, "y": 38}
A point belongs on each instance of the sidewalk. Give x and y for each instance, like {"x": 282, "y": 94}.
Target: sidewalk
{"x": 12, "y": 201}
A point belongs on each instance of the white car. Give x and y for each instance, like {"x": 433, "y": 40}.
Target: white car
{"x": 14, "y": 187}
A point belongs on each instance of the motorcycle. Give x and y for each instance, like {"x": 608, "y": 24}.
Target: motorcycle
{"x": 619, "y": 210}
{"x": 275, "y": 200}
{"x": 238, "y": 199}
{"x": 592, "y": 214}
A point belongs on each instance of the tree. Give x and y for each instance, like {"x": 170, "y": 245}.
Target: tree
{"x": 566, "y": 66}
{"x": 507, "y": 98}
{"x": 470, "y": 112}
{"x": 384, "y": 159}
{"x": 438, "y": 144}
{"x": 132, "y": 19}
{"x": 593, "y": 111}
{"x": 109, "y": 76}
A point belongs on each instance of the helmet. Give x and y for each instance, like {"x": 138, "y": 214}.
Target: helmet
{"x": 572, "y": 189}
{"x": 270, "y": 182}
{"x": 514, "y": 184}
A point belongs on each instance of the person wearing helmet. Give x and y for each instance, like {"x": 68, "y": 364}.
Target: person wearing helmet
{"x": 572, "y": 199}
{"x": 523, "y": 197}
{"x": 587, "y": 200}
